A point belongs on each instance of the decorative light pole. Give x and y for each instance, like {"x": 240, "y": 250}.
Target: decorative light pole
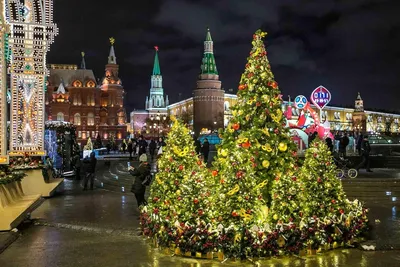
{"x": 32, "y": 31}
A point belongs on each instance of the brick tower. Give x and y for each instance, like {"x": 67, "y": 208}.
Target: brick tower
{"x": 208, "y": 97}
{"x": 359, "y": 116}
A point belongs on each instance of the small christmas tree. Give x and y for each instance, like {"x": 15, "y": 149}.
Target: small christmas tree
{"x": 98, "y": 143}
{"x": 89, "y": 145}
{"x": 179, "y": 196}
{"x": 326, "y": 212}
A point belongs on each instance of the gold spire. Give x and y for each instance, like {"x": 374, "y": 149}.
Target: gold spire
{"x": 112, "y": 40}
{"x": 83, "y": 54}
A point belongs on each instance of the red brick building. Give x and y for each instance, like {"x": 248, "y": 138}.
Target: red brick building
{"x": 94, "y": 107}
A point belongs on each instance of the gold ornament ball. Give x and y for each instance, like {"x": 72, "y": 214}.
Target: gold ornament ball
{"x": 282, "y": 147}
{"x": 275, "y": 217}
{"x": 224, "y": 153}
{"x": 265, "y": 163}
{"x": 178, "y": 192}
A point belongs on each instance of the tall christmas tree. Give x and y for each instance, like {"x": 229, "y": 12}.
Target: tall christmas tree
{"x": 258, "y": 120}
{"x": 180, "y": 194}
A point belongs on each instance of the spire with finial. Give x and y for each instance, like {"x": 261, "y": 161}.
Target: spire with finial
{"x": 112, "y": 59}
{"x": 359, "y": 96}
{"x": 208, "y": 65}
{"x": 83, "y": 63}
{"x": 156, "y": 66}
{"x": 359, "y": 103}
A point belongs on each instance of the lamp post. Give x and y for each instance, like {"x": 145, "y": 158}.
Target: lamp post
{"x": 158, "y": 118}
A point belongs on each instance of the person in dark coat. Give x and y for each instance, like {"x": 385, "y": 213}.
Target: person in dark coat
{"x": 360, "y": 138}
{"x": 329, "y": 143}
{"x": 197, "y": 145}
{"x": 90, "y": 169}
{"x": 130, "y": 149}
{"x": 160, "y": 145}
{"x": 205, "y": 150}
{"x": 343, "y": 143}
{"x": 140, "y": 174}
{"x": 77, "y": 166}
{"x": 365, "y": 150}
{"x": 142, "y": 146}
{"x": 152, "y": 148}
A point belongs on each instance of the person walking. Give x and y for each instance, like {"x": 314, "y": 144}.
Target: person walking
{"x": 365, "y": 150}
{"x": 90, "y": 168}
{"x": 142, "y": 145}
{"x": 343, "y": 143}
{"x": 77, "y": 166}
{"x": 140, "y": 173}
{"x": 152, "y": 148}
{"x": 160, "y": 145}
{"x": 360, "y": 138}
{"x": 205, "y": 150}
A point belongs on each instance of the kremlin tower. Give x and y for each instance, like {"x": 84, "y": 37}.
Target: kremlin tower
{"x": 156, "y": 102}
{"x": 208, "y": 97}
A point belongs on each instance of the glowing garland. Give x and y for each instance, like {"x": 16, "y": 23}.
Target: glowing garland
{"x": 31, "y": 32}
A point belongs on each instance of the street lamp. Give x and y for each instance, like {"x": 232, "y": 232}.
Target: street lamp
{"x": 158, "y": 118}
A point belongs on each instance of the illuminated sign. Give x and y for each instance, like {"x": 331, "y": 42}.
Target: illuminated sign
{"x": 320, "y": 97}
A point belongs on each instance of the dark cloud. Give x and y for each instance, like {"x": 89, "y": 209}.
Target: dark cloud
{"x": 348, "y": 46}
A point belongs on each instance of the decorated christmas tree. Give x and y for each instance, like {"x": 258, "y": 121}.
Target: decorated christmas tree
{"x": 258, "y": 123}
{"x": 180, "y": 195}
{"x": 98, "y": 143}
{"x": 324, "y": 205}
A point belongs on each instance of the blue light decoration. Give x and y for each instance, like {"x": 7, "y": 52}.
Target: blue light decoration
{"x": 51, "y": 146}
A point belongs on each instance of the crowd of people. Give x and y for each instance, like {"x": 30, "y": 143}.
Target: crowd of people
{"x": 342, "y": 143}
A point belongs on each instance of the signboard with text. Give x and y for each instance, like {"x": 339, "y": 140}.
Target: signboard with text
{"x": 320, "y": 97}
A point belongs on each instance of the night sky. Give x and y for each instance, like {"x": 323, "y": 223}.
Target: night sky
{"x": 348, "y": 46}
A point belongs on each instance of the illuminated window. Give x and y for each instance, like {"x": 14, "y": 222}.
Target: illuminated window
{"x": 90, "y": 100}
{"x": 90, "y": 119}
{"x": 77, "y": 119}
{"x": 379, "y": 119}
{"x": 121, "y": 118}
{"x": 336, "y": 115}
{"x": 77, "y": 83}
{"x": 348, "y": 116}
{"x": 369, "y": 118}
{"x": 80, "y": 134}
{"x": 60, "y": 116}
{"x": 90, "y": 84}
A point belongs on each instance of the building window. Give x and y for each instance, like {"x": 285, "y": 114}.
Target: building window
{"x": 379, "y": 119}
{"x": 77, "y": 83}
{"x": 90, "y": 119}
{"x": 77, "y": 119}
{"x": 121, "y": 118}
{"x": 369, "y": 118}
{"x": 226, "y": 106}
{"x": 90, "y": 100}
{"x": 80, "y": 134}
{"x": 337, "y": 115}
{"x": 60, "y": 116}
{"x": 90, "y": 84}
{"x": 348, "y": 116}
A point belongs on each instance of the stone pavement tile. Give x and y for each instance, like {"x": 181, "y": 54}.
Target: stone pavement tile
{"x": 46, "y": 246}
{"x": 6, "y": 239}
{"x": 90, "y": 208}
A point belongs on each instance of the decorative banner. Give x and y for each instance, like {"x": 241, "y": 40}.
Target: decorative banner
{"x": 32, "y": 32}
{"x": 320, "y": 97}
{"x": 300, "y": 101}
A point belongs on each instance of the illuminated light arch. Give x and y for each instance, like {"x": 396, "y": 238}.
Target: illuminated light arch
{"x": 4, "y": 30}
{"x": 32, "y": 31}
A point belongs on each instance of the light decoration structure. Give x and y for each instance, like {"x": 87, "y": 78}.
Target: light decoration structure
{"x": 4, "y": 29}
{"x": 32, "y": 31}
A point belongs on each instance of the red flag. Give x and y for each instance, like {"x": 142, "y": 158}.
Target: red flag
{"x": 156, "y": 48}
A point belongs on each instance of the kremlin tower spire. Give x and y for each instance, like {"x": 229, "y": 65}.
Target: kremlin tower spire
{"x": 208, "y": 65}
{"x": 112, "y": 59}
{"x": 208, "y": 99}
{"x": 156, "y": 100}
{"x": 83, "y": 63}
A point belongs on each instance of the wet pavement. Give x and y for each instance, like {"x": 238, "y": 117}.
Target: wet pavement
{"x": 100, "y": 228}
